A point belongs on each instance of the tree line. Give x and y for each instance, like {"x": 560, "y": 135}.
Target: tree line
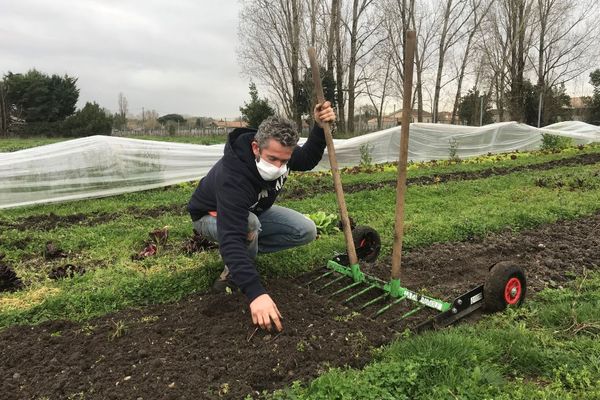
{"x": 35, "y": 103}
{"x": 517, "y": 55}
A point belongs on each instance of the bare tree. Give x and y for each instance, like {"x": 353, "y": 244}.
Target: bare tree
{"x": 566, "y": 42}
{"x": 518, "y": 12}
{"x": 455, "y": 16}
{"x": 361, "y": 30}
{"x": 123, "y": 106}
{"x": 395, "y": 24}
{"x": 270, "y": 49}
{"x": 336, "y": 16}
{"x": 377, "y": 74}
{"x": 479, "y": 10}
{"x": 424, "y": 22}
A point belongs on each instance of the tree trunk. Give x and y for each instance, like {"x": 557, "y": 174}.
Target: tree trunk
{"x": 352, "y": 67}
{"x": 441, "y": 55}
{"x": 295, "y": 47}
{"x": 341, "y": 117}
{"x": 461, "y": 76}
{"x": 331, "y": 39}
{"x": 517, "y": 20}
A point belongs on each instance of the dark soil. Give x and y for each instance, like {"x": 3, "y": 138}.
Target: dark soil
{"x": 325, "y": 184}
{"x": 66, "y": 271}
{"x": 9, "y": 281}
{"x": 204, "y": 346}
{"x": 48, "y": 222}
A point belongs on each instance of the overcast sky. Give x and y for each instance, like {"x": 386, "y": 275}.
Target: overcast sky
{"x": 171, "y": 56}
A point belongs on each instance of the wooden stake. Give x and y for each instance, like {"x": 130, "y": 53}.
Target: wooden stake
{"x": 337, "y": 181}
{"x": 411, "y": 39}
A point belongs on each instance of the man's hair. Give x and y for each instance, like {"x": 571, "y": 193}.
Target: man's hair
{"x": 277, "y": 128}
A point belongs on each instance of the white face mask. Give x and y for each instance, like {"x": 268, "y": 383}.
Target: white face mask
{"x": 268, "y": 171}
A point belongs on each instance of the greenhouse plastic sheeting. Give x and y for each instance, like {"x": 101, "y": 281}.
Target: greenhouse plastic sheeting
{"x": 99, "y": 166}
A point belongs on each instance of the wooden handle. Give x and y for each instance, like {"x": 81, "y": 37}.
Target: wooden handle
{"x": 337, "y": 180}
{"x": 411, "y": 39}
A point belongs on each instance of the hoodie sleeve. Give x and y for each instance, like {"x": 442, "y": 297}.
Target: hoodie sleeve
{"x": 233, "y": 201}
{"x": 307, "y": 156}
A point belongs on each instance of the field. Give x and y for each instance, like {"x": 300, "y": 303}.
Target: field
{"x": 89, "y": 318}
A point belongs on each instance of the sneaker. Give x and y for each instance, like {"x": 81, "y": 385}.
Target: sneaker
{"x": 223, "y": 282}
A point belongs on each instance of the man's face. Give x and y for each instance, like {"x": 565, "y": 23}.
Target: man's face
{"x": 274, "y": 153}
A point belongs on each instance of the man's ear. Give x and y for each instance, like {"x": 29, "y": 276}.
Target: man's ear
{"x": 255, "y": 149}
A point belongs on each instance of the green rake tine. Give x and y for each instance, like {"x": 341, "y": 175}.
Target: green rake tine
{"x": 331, "y": 283}
{"x": 375, "y": 300}
{"x": 318, "y": 278}
{"x": 365, "y": 290}
{"x": 345, "y": 288}
{"x": 411, "y": 312}
{"x": 385, "y": 308}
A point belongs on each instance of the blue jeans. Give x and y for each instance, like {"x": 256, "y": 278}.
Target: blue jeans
{"x": 276, "y": 229}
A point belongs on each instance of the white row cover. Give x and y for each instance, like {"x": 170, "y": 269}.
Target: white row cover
{"x": 99, "y": 166}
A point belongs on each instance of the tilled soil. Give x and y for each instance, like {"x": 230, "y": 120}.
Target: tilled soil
{"x": 204, "y": 346}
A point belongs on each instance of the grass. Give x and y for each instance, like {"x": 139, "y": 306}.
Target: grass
{"x": 548, "y": 349}
{"x": 435, "y": 213}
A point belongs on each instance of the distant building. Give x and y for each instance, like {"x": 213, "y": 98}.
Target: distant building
{"x": 579, "y": 108}
{"x": 496, "y": 115}
{"x": 395, "y": 119}
{"x": 228, "y": 124}
{"x": 444, "y": 117}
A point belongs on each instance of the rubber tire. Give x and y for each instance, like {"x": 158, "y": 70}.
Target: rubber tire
{"x": 495, "y": 284}
{"x": 370, "y": 250}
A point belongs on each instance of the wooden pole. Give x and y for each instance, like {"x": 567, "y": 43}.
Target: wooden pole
{"x": 337, "y": 180}
{"x": 411, "y": 39}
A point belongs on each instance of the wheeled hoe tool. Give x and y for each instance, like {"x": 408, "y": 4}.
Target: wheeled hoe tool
{"x": 344, "y": 279}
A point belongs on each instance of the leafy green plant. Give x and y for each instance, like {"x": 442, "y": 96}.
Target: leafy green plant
{"x": 326, "y": 223}
{"x": 454, "y": 150}
{"x": 366, "y": 158}
{"x": 555, "y": 142}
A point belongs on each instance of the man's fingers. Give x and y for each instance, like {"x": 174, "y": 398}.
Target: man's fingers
{"x": 277, "y": 322}
{"x": 277, "y": 310}
{"x": 261, "y": 321}
{"x": 267, "y": 320}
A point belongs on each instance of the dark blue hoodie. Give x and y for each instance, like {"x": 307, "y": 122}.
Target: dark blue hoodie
{"x": 233, "y": 187}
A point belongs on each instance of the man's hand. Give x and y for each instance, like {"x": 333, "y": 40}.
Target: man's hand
{"x": 324, "y": 113}
{"x": 264, "y": 310}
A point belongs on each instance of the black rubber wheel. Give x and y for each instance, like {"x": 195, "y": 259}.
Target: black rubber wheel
{"x": 505, "y": 286}
{"x": 367, "y": 243}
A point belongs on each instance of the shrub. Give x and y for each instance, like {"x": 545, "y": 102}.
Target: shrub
{"x": 554, "y": 142}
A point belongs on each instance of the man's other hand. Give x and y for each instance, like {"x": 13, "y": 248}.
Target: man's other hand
{"x": 324, "y": 113}
{"x": 264, "y": 310}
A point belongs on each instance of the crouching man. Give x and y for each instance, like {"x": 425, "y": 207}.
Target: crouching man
{"x": 233, "y": 204}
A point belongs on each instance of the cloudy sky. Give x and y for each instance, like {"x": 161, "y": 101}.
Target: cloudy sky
{"x": 171, "y": 56}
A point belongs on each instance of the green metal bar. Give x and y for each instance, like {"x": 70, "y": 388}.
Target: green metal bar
{"x": 339, "y": 278}
{"x": 345, "y": 288}
{"x": 365, "y": 290}
{"x": 411, "y": 312}
{"x": 385, "y": 308}
{"x": 393, "y": 288}
{"x": 318, "y": 278}
{"x": 375, "y": 300}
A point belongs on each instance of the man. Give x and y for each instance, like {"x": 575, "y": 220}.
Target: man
{"x": 233, "y": 203}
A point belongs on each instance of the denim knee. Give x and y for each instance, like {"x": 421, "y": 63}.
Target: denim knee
{"x": 307, "y": 231}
